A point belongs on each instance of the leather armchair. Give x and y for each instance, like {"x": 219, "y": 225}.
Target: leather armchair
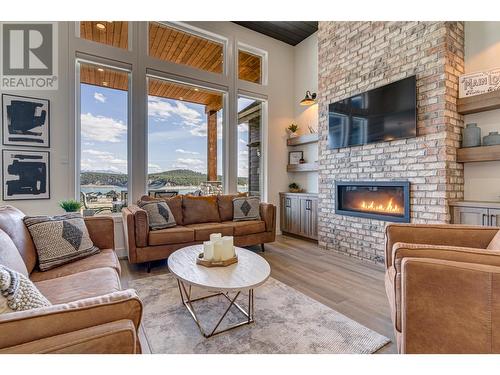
{"x": 443, "y": 287}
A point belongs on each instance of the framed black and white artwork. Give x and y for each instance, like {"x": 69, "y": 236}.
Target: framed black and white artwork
{"x": 26, "y": 175}
{"x": 26, "y": 121}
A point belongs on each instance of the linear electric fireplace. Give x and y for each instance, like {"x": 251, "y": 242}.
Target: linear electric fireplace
{"x": 388, "y": 200}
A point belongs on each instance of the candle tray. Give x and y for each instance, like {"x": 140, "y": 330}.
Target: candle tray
{"x": 216, "y": 263}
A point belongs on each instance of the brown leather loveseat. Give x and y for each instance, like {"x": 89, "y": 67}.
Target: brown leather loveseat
{"x": 90, "y": 312}
{"x": 443, "y": 285}
{"x": 196, "y": 218}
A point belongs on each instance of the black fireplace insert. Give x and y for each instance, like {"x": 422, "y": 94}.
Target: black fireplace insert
{"x": 386, "y": 200}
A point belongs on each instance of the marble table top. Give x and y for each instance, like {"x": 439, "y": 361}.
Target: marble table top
{"x": 251, "y": 270}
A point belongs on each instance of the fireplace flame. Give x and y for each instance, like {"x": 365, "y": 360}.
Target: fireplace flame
{"x": 388, "y": 207}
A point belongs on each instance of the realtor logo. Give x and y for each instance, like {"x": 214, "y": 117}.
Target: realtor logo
{"x": 29, "y": 56}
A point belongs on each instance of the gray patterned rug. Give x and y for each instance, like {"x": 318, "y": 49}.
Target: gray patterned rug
{"x": 286, "y": 321}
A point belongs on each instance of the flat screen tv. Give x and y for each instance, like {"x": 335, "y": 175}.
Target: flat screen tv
{"x": 382, "y": 114}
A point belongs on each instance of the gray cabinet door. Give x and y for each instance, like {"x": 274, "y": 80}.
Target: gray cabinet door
{"x": 309, "y": 217}
{"x": 470, "y": 216}
{"x": 290, "y": 217}
{"x": 494, "y": 215}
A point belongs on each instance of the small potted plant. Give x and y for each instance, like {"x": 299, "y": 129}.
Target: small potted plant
{"x": 294, "y": 188}
{"x": 292, "y": 130}
{"x": 70, "y": 205}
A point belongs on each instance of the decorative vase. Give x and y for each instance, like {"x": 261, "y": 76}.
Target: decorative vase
{"x": 293, "y": 135}
{"x": 471, "y": 136}
{"x": 491, "y": 139}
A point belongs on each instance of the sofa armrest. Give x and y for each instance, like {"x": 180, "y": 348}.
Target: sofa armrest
{"x": 450, "y": 307}
{"x": 452, "y": 253}
{"x": 102, "y": 231}
{"x": 25, "y": 326}
{"x": 119, "y": 337}
{"x": 437, "y": 234}
{"x": 136, "y": 227}
{"x": 268, "y": 214}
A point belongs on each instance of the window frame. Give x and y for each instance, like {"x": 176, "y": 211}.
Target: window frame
{"x": 81, "y": 58}
{"x": 141, "y": 65}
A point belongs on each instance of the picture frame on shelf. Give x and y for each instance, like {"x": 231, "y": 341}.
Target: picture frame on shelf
{"x": 294, "y": 157}
{"x": 26, "y": 175}
{"x": 25, "y": 121}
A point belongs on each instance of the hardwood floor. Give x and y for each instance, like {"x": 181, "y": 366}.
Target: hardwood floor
{"x": 350, "y": 286}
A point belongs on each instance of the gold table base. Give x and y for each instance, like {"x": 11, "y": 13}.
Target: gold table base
{"x": 187, "y": 301}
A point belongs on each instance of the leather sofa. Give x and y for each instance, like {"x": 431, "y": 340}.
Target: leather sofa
{"x": 90, "y": 312}
{"x": 443, "y": 287}
{"x": 196, "y": 218}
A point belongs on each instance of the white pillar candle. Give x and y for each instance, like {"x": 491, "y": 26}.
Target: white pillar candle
{"x": 215, "y": 236}
{"x": 227, "y": 247}
{"x": 218, "y": 250}
{"x": 208, "y": 250}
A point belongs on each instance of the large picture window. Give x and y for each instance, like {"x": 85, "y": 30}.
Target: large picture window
{"x": 103, "y": 138}
{"x": 184, "y": 139}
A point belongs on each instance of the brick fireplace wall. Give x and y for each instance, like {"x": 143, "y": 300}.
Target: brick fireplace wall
{"x": 358, "y": 56}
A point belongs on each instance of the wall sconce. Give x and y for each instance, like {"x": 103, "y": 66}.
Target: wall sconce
{"x": 310, "y": 99}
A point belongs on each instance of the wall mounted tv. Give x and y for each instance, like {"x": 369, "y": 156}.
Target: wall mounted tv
{"x": 382, "y": 114}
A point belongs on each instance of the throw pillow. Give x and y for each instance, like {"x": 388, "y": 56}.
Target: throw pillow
{"x": 225, "y": 203}
{"x": 18, "y": 293}
{"x": 246, "y": 208}
{"x": 495, "y": 242}
{"x": 60, "y": 239}
{"x": 159, "y": 214}
{"x": 174, "y": 203}
{"x": 200, "y": 209}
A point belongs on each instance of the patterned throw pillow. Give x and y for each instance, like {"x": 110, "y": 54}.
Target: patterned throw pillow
{"x": 60, "y": 239}
{"x": 159, "y": 214}
{"x": 246, "y": 208}
{"x": 18, "y": 293}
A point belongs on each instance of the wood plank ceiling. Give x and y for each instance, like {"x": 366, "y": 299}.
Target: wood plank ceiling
{"x": 291, "y": 32}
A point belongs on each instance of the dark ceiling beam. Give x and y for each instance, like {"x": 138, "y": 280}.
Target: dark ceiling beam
{"x": 291, "y": 32}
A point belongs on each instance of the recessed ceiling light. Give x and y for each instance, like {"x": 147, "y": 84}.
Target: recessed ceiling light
{"x": 100, "y": 69}
{"x": 181, "y": 98}
{"x": 104, "y": 83}
{"x": 196, "y": 89}
{"x": 100, "y": 26}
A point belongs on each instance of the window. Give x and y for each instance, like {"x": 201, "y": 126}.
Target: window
{"x": 170, "y": 44}
{"x": 249, "y": 67}
{"x": 103, "y": 137}
{"x": 111, "y": 33}
{"x": 184, "y": 138}
{"x": 249, "y": 145}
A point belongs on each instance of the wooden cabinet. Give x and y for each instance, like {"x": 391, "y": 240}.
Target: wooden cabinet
{"x": 299, "y": 214}
{"x": 476, "y": 213}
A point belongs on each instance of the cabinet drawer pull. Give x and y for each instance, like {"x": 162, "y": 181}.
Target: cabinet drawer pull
{"x": 288, "y": 202}
{"x": 485, "y": 219}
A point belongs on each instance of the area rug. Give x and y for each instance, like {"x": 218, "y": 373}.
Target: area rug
{"x": 286, "y": 321}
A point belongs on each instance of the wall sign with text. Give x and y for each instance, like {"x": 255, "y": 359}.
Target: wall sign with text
{"x": 479, "y": 83}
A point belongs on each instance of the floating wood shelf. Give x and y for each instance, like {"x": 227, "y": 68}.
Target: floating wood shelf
{"x": 479, "y": 103}
{"x": 302, "y": 139}
{"x": 306, "y": 167}
{"x": 483, "y": 153}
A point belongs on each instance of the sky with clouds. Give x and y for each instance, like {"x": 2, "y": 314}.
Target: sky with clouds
{"x": 177, "y": 133}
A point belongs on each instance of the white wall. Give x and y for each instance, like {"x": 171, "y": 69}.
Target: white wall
{"x": 305, "y": 77}
{"x": 482, "y": 52}
{"x": 60, "y": 144}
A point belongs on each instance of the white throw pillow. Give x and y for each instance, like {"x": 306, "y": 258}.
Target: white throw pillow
{"x": 18, "y": 293}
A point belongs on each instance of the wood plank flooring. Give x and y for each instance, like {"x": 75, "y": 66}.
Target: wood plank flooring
{"x": 350, "y": 286}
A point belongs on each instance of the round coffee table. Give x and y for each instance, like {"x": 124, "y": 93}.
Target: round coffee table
{"x": 251, "y": 271}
